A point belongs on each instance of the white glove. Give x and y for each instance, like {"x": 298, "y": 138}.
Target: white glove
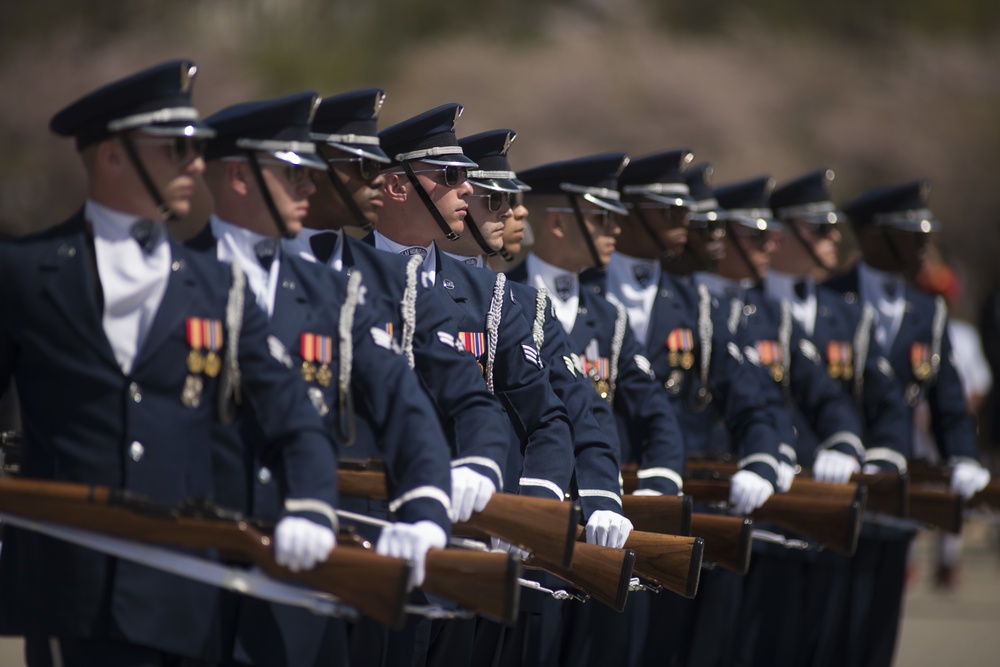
{"x": 748, "y": 491}
{"x": 517, "y": 552}
{"x": 470, "y": 491}
{"x": 411, "y": 541}
{"x": 834, "y": 466}
{"x": 608, "y": 529}
{"x": 300, "y": 543}
{"x": 786, "y": 475}
{"x": 969, "y": 478}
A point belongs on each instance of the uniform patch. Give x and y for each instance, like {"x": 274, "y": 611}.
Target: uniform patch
{"x": 751, "y": 354}
{"x": 318, "y": 402}
{"x": 279, "y": 352}
{"x": 885, "y": 367}
{"x": 531, "y": 354}
{"x": 450, "y": 341}
{"x": 578, "y": 362}
{"x": 810, "y": 351}
{"x": 570, "y": 365}
{"x": 734, "y": 351}
{"x": 644, "y": 365}
{"x": 382, "y": 338}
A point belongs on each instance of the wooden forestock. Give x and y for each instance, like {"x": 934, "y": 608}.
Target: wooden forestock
{"x": 601, "y": 572}
{"x": 926, "y": 474}
{"x": 667, "y": 515}
{"x": 834, "y": 521}
{"x": 545, "y": 527}
{"x": 484, "y": 582}
{"x": 375, "y": 585}
{"x": 728, "y": 539}
{"x": 936, "y": 506}
{"x": 672, "y": 561}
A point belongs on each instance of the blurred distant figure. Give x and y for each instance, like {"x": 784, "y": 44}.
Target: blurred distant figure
{"x": 937, "y": 277}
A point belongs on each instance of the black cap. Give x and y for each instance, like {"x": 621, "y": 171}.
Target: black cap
{"x": 156, "y": 100}
{"x": 902, "y": 207}
{"x": 489, "y": 150}
{"x": 748, "y": 203}
{"x": 806, "y": 198}
{"x": 698, "y": 178}
{"x": 277, "y": 126}
{"x": 660, "y": 177}
{"x": 595, "y": 178}
{"x": 427, "y": 137}
{"x": 349, "y": 122}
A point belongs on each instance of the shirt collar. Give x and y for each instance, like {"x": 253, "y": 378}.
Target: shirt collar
{"x": 236, "y": 241}
{"x": 560, "y": 283}
{"x": 107, "y": 222}
{"x": 782, "y": 285}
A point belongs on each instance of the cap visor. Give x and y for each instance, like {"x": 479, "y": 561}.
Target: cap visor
{"x": 179, "y": 129}
{"x": 672, "y": 200}
{"x": 607, "y": 204}
{"x": 452, "y": 160}
{"x": 310, "y": 160}
{"x": 370, "y": 152}
{"x": 501, "y": 184}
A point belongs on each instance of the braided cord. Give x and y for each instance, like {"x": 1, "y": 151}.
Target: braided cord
{"x": 409, "y": 307}
{"x": 621, "y": 319}
{"x": 538, "y": 325}
{"x": 493, "y": 326}
{"x": 785, "y": 339}
{"x": 230, "y": 381}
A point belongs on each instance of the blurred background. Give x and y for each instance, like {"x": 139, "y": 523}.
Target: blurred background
{"x": 881, "y": 91}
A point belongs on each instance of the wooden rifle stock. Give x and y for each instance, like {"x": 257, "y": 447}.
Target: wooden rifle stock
{"x": 545, "y": 527}
{"x": 601, "y": 572}
{"x": 832, "y": 521}
{"x": 487, "y": 583}
{"x": 937, "y": 507}
{"x": 728, "y": 539}
{"x": 923, "y": 473}
{"x": 667, "y": 515}
{"x": 672, "y": 561}
{"x": 375, "y": 585}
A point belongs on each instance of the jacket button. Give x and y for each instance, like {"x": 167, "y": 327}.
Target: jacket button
{"x": 263, "y": 475}
{"x": 136, "y": 451}
{"x": 135, "y": 392}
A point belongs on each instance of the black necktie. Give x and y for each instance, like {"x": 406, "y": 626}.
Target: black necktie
{"x": 322, "y": 245}
{"x": 266, "y": 251}
{"x": 144, "y": 233}
{"x": 801, "y": 290}
{"x": 890, "y": 289}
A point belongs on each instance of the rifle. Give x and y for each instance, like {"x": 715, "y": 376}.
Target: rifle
{"x": 937, "y": 507}
{"x": 672, "y": 561}
{"x": 924, "y": 473}
{"x": 601, "y": 572}
{"x": 887, "y": 491}
{"x": 728, "y": 539}
{"x": 831, "y": 521}
{"x": 375, "y": 585}
{"x": 545, "y": 527}
{"x": 667, "y": 515}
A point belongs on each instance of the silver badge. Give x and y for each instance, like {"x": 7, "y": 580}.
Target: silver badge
{"x": 191, "y": 394}
{"x": 316, "y": 398}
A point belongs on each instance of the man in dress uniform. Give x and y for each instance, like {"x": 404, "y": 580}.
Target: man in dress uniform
{"x": 104, "y": 321}
{"x": 612, "y": 359}
{"x": 841, "y": 332}
{"x": 893, "y": 224}
{"x": 260, "y": 167}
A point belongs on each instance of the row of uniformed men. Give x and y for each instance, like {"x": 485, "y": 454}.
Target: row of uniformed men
{"x": 667, "y": 349}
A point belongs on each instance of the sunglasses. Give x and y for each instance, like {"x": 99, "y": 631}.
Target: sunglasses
{"x": 672, "y": 215}
{"x": 296, "y": 174}
{"x": 496, "y": 199}
{"x": 714, "y": 227}
{"x": 760, "y": 236}
{"x": 367, "y": 167}
{"x": 605, "y": 218}
{"x": 818, "y": 229}
{"x": 452, "y": 175}
{"x": 181, "y": 149}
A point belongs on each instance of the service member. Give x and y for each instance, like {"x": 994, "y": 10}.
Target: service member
{"x": 132, "y": 341}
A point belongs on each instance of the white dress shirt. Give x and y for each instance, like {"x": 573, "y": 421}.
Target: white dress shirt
{"x": 886, "y": 292}
{"x": 237, "y": 243}
{"x": 633, "y": 283}
{"x": 429, "y": 267}
{"x": 133, "y": 281}
{"x": 300, "y": 247}
{"x": 781, "y": 286}
{"x": 563, "y": 288}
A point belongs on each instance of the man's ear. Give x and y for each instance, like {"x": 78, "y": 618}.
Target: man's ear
{"x": 237, "y": 178}
{"x": 555, "y": 224}
{"x": 395, "y": 187}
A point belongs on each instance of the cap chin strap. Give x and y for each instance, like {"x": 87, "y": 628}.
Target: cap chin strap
{"x": 578, "y": 212}
{"x": 506, "y": 254}
{"x": 430, "y": 205}
{"x": 470, "y": 224}
{"x": 743, "y": 255}
{"x": 700, "y": 263}
{"x": 809, "y": 249}
{"x": 165, "y": 212}
{"x": 348, "y": 200}
{"x": 265, "y": 192}
{"x": 896, "y": 255}
{"x": 665, "y": 252}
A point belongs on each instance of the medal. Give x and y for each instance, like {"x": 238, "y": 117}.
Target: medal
{"x": 603, "y": 387}
{"x": 680, "y": 343}
{"x": 308, "y": 371}
{"x": 324, "y": 375}
{"x": 315, "y": 348}
{"x": 598, "y": 369}
{"x": 212, "y": 364}
{"x": 191, "y": 394}
{"x": 920, "y": 360}
{"x": 204, "y": 334}
{"x": 770, "y": 356}
{"x": 474, "y": 343}
{"x": 195, "y": 362}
